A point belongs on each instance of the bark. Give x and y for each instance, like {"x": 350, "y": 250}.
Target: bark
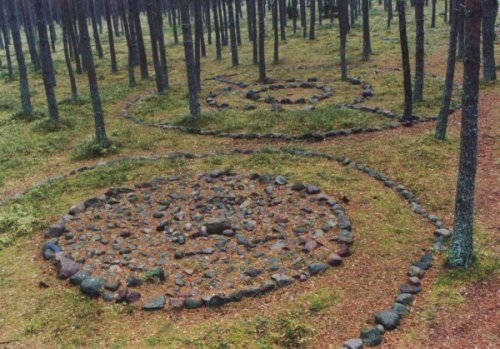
{"x": 461, "y": 249}
{"x": 442, "y": 121}
{"x": 161, "y": 43}
{"x": 312, "y": 34}
{"x": 46, "y": 61}
{"x": 294, "y": 16}
{"x": 419, "y": 53}
{"x": 95, "y": 30}
{"x": 232, "y": 34}
{"x": 5, "y": 31}
{"x": 136, "y": 19}
{"x": 174, "y": 25}
{"x": 130, "y": 45}
{"x": 282, "y": 13}
{"x": 275, "y": 31}
{"x": 197, "y": 41}
{"x": 433, "y": 16}
{"x": 405, "y": 57}
{"x": 367, "y": 47}
{"x": 237, "y": 21}
{"x": 218, "y": 47}
{"x": 389, "y": 13}
{"x": 255, "y": 50}
{"x": 21, "y": 64}
{"x": 490, "y": 10}
{"x": 30, "y": 35}
{"x": 112, "y": 52}
{"x": 154, "y": 45}
{"x": 343, "y": 20}
{"x": 194, "y": 105}
{"x": 461, "y": 33}
{"x": 262, "y": 35}
{"x": 88, "y": 62}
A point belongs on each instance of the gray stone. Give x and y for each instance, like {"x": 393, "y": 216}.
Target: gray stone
{"x": 154, "y": 303}
{"x": 388, "y": 318}
{"x": 50, "y": 248}
{"x": 371, "y": 336}
{"x": 404, "y": 298}
{"x": 77, "y": 278}
{"x": 282, "y": 279}
{"x": 346, "y": 236}
{"x": 192, "y": 303}
{"x": 400, "y": 308}
{"x": 416, "y": 271}
{"x": 316, "y": 268}
{"x": 92, "y": 286}
{"x": 354, "y": 343}
{"x": 443, "y": 232}
{"x": 66, "y": 267}
{"x": 217, "y": 226}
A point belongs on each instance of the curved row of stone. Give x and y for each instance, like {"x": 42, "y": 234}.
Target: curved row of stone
{"x": 386, "y": 319}
{"x": 283, "y": 233}
{"x": 315, "y": 136}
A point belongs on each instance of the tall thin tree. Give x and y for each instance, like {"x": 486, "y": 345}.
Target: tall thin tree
{"x": 405, "y": 58}
{"x": 418, "y": 92}
{"x": 262, "y": 36}
{"x": 490, "y": 11}
{"x": 88, "y": 62}
{"x": 461, "y": 249}
{"x": 367, "y": 46}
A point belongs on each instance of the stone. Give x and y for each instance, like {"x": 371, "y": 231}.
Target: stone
{"x": 346, "y": 236}
{"x": 388, "y": 318}
{"x": 405, "y": 288}
{"x": 282, "y": 280}
{"x": 156, "y": 302}
{"x": 344, "y": 250}
{"x": 76, "y": 209}
{"x": 77, "y": 278}
{"x": 298, "y": 187}
{"x": 253, "y": 272}
{"x": 311, "y": 245}
{"x": 413, "y": 280}
{"x": 66, "y": 267}
{"x": 416, "y": 271}
{"x": 312, "y": 189}
{"x": 55, "y": 231}
{"x": 49, "y": 249}
{"x": 192, "y": 303}
{"x": 316, "y": 268}
{"x": 371, "y": 336}
{"x": 132, "y": 297}
{"x": 334, "y": 259}
{"x": 443, "y": 232}
{"x": 399, "y": 308}
{"x": 280, "y": 180}
{"x": 354, "y": 343}
{"x": 92, "y": 286}
{"x": 404, "y": 298}
{"x": 155, "y": 274}
{"x": 267, "y": 286}
{"x": 217, "y": 226}
{"x": 133, "y": 281}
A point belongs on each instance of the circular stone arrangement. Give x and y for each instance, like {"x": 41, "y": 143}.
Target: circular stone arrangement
{"x": 196, "y": 240}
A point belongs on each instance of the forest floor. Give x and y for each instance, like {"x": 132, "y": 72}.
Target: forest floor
{"x": 456, "y": 309}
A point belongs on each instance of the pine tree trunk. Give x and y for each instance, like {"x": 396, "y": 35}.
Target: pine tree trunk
{"x": 174, "y": 24}
{"x": 461, "y": 249}
{"x": 95, "y": 31}
{"x": 161, "y": 43}
{"x": 136, "y": 19}
{"x": 303, "y": 18}
{"x": 442, "y": 121}
{"x": 262, "y": 35}
{"x": 282, "y": 12}
{"x": 274, "y": 13}
{"x": 154, "y": 45}
{"x": 130, "y": 45}
{"x": 389, "y": 13}
{"x": 294, "y": 16}
{"x": 232, "y": 34}
{"x": 21, "y": 64}
{"x": 312, "y": 34}
{"x": 367, "y": 47}
{"x": 405, "y": 56}
{"x": 194, "y": 105}
{"x": 490, "y": 10}
{"x": 218, "y": 48}
{"x": 461, "y": 33}
{"x": 255, "y": 50}
{"x": 419, "y": 53}
{"x": 46, "y": 61}
{"x": 433, "y": 16}
{"x": 88, "y": 62}
{"x": 5, "y": 31}
{"x": 112, "y": 52}
{"x": 343, "y": 19}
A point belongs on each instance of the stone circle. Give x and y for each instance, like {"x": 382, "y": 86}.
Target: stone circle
{"x": 195, "y": 240}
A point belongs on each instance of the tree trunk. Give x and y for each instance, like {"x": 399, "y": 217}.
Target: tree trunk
{"x": 131, "y": 47}
{"x": 112, "y": 53}
{"x": 136, "y": 19}
{"x": 95, "y": 31}
{"x": 194, "y": 105}
{"x": 367, "y": 47}
{"x": 419, "y": 53}
{"x": 461, "y": 249}
{"x": 5, "y": 31}
{"x": 403, "y": 38}
{"x": 343, "y": 19}
{"x": 232, "y": 34}
{"x": 433, "y": 16}
{"x": 218, "y": 48}
{"x": 461, "y": 33}
{"x": 161, "y": 43}
{"x": 21, "y": 64}
{"x": 442, "y": 121}
{"x": 275, "y": 31}
{"x": 154, "y": 45}
{"x": 46, "y": 61}
{"x": 490, "y": 10}
{"x": 255, "y": 50}
{"x": 312, "y": 34}
{"x": 303, "y": 18}
{"x": 88, "y": 63}
{"x": 262, "y": 35}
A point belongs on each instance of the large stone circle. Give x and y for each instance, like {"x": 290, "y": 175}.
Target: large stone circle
{"x": 195, "y": 240}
